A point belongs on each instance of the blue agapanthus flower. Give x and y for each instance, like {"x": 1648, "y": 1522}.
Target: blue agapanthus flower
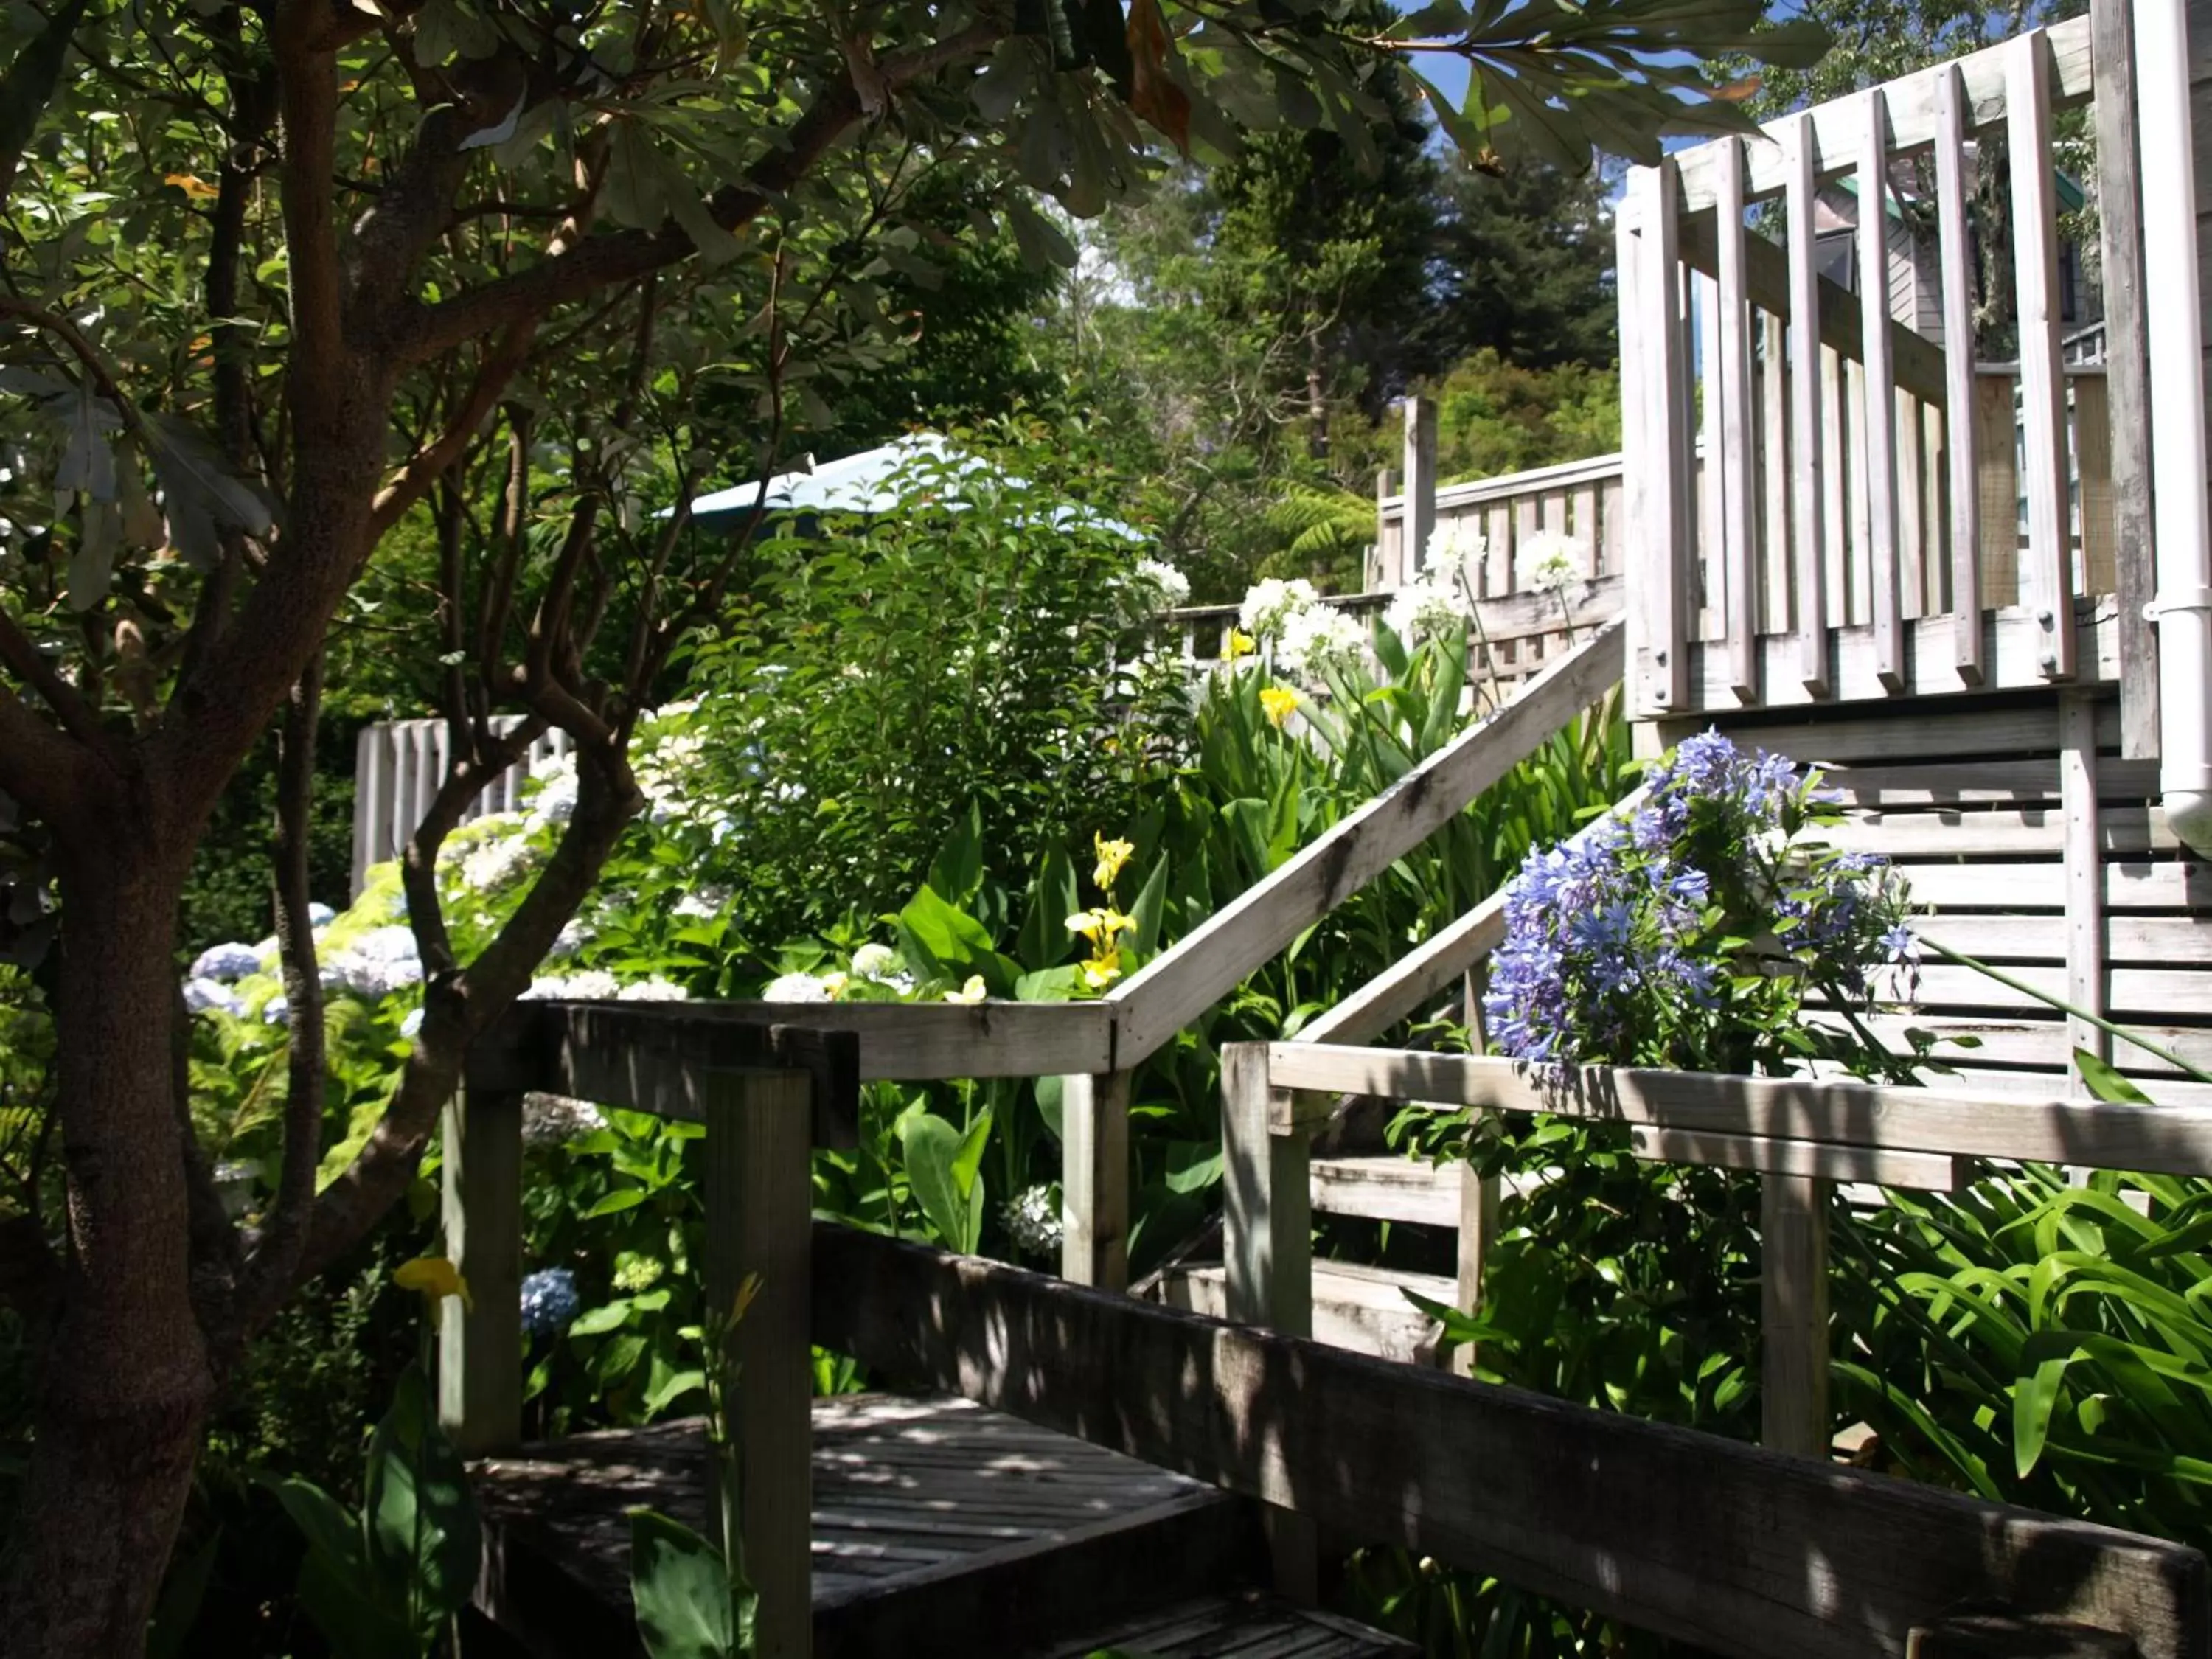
{"x": 1652, "y": 938}
{"x": 549, "y": 1304}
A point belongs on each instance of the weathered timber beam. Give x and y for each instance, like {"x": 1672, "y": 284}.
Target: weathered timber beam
{"x": 2105, "y": 1135}
{"x": 1171, "y": 990}
{"x": 1737, "y": 1549}
{"x": 1917, "y": 360}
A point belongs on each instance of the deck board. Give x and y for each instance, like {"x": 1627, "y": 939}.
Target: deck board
{"x": 930, "y": 1513}
{"x": 1246, "y": 1625}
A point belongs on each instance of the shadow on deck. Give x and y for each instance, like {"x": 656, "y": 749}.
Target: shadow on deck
{"x": 939, "y": 1527}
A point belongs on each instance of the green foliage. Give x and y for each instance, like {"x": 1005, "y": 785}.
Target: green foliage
{"x": 687, "y": 1606}
{"x": 1494, "y": 417}
{"x": 382, "y": 1584}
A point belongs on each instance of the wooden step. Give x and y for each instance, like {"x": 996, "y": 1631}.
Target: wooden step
{"x": 1354, "y": 1306}
{"x": 939, "y": 1528}
{"x": 1391, "y": 1188}
{"x": 1250, "y": 1625}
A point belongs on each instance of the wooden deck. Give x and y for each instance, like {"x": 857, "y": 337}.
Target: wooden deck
{"x": 939, "y": 1525}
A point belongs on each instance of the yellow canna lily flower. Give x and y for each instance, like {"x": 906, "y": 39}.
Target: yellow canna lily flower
{"x": 1238, "y": 644}
{"x": 1089, "y": 923}
{"x": 834, "y": 984}
{"x": 973, "y": 991}
{"x": 1280, "y": 702}
{"x": 1102, "y": 970}
{"x": 1112, "y": 921}
{"x": 433, "y": 1278}
{"x": 1112, "y": 856}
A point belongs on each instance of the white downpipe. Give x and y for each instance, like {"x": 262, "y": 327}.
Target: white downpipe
{"x": 2183, "y": 609}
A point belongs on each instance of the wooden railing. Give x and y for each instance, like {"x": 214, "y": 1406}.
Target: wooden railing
{"x": 1580, "y": 500}
{"x": 1737, "y": 1549}
{"x": 1857, "y": 532}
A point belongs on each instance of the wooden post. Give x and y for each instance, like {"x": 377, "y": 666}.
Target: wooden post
{"x": 1267, "y": 1247}
{"x": 1794, "y": 1314}
{"x": 1878, "y": 428}
{"x": 2041, "y": 380}
{"x": 1386, "y": 569}
{"x": 1810, "y": 439}
{"x": 1479, "y": 1196}
{"x": 1961, "y": 423}
{"x": 480, "y": 1344}
{"x": 1661, "y": 583}
{"x": 1419, "y": 519}
{"x": 1094, "y": 1182}
{"x": 2085, "y": 877}
{"x": 759, "y": 1201}
{"x": 2127, "y": 370}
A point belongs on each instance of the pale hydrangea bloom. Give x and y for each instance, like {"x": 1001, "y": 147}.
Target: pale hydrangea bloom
{"x": 594, "y": 985}
{"x": 1321, "y": 641}
{"x": 496, "y": 862}
{"x": 227, "y": 962}
{"x": 795, "y": 987}
{"x": 878, "y": 962}
{"x": 702, "y": 903}
{"x": 572, "y": 937}
{"x": 375, "y": 964}
{"x": 655, "y": 989}
{"x": 202, "y": 994}
{"x": 1270, "y": 606}
{"x": 411, "y": 1027}
{"x": 549, "y": 1119}
{"x": 556, "y": 800}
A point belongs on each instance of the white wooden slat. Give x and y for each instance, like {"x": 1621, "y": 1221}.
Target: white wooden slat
{"x": 2085, "y": 964}
{"x": 1773, "y": 470}
{"x": 1729, "y": 394}
{"x": 2165, "y": 885}
{"x": 1877, "y": 427}
{"x": 1955, "y": 245}
{"x": 1923, "y": 1171}
{"x": 2043, "y": 385}
{"x": 1808, "y": 621}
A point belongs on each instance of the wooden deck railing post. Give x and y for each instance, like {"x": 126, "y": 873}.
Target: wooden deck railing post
{"x": 1268, "y": 1251}
{"x": 759, "y": 1202}
{"x": 480, "y": 1341}
{"x": 1418, "y": 520}
{"x": 1794, "y": 1314}
{"x": 1094, "y": 1180}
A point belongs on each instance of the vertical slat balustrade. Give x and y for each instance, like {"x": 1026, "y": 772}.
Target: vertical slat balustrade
{"x": 1808, "y": 442}
{"x": 1774, "y": 463}
{"x": 1878, "y": 402}
{"x": 1734, "y": 454}
{"x": 2042, "y": 386}
{"x": 1956, "y": 253}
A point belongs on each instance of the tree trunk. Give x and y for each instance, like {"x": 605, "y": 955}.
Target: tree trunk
{"x": 123, "y": 1379}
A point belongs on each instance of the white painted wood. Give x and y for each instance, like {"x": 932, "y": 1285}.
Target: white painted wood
{"x": 758, "y": 1193}
{"x": 1877, "y": 428}
{"x": 1480, "y": 1198}
{"x": 2166, "y": 885}
{"x": 1417, "y": 521}
{"x": 1356, "y": 1306}
{"x": 1094, "y": 1182}
{"x": 1157, "y": 1000}
{"x": 1878, "y": 1166}
{"x": 1729, "y": 394}
{"x": 1995, "y": 832}
{"x": 1388, "y": 1186}
{"x": 2175, "y": 1141}
{"x": 1809, "y": 442}
{"x": 2042, "y": 386}
{"x": 1661, "y": 535}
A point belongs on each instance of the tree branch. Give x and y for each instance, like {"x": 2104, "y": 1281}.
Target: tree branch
{"x": 268, "y": 1264}
{"x": 432, "y": 460}
{"x": 23, "y": 658}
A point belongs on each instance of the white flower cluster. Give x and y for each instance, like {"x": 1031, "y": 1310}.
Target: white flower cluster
{"x": 702, "y": 903}
{"x": 549, "y": 1119}
{"x": 1160, "y": 584}
{"x": 1269, "y": 605}
{"x": 226, "y": 963}
{"x": 1549, "y": 562}
{"x": 1033, "y": 1221}
{"x": 1431, "y": 606}
{"x": 592, "y": 985}
{"x": 1321, "y": 641}
{"x": 554, "y": 801}
{"x": 655, "y": 989}
{"x": 203, "y": 993}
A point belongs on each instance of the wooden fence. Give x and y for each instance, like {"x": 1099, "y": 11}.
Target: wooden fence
{"x": 1878, "y": 515}
{"x": 398, "y": 766}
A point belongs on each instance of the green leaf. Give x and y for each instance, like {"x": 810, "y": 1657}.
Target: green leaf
{"x": 933, "y": 1149}
{"x": 614, "y": 1203}
{"x": 2103, "y": 1080}
{"x": 1044, "y": 941}
{"x": 1193, "y": 1165}
{"x": 418, "y": 1518}
{"x": 957, "y": 873}
{"x": 183, "y": 1589}
{"x": 611, "y": 1316}
{"x": 681, "y": 1591}
{"x": 950, "y": 939}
